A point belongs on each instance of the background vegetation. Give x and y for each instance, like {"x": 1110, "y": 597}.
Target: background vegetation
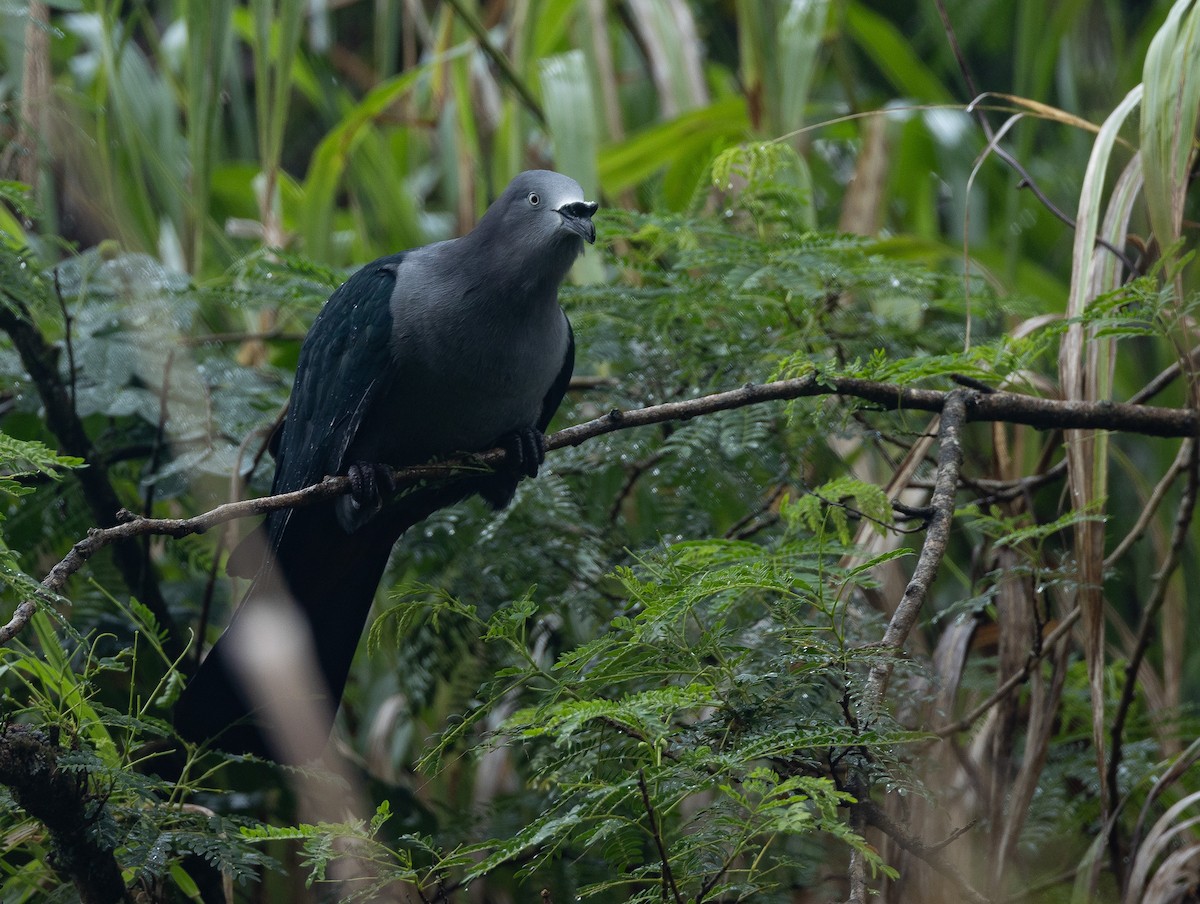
{"x": 678, "y": 667}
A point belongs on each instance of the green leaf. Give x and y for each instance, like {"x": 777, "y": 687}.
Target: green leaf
{"x": 705, "y": 131}
{"x": 884, "y": 44}
{"x": 331, "y": 158}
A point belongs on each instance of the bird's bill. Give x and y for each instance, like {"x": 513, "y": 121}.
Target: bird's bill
{"x": 577, "y": 216}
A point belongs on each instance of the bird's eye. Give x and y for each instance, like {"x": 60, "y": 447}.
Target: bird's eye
{"x": 534, "y": 200}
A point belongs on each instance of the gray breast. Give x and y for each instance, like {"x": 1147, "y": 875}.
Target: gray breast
{"x": 470, "y": 365}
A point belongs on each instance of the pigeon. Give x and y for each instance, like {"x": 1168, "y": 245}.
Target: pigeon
{"x": 454, "y": 347}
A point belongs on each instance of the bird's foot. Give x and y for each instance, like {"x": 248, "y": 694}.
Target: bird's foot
{"x": 526, "y": 450}
{"x": 369, "y": 483}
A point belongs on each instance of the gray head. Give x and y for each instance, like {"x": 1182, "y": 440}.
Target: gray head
{"x": 543, "y": 218}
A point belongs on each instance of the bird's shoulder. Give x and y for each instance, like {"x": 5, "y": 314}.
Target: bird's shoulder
{"x": 361, "y": 299}
{"x": 434, "y": 275}
{"x": 354, "y": 322}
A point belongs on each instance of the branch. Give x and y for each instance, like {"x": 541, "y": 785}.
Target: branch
{"x": 1011, "y": 407}
{"x": 41, "y": 362}
{"x": 656, "y": 831}
{"x": 60, "y": 799}
{"x": 931, "y": 854}
{"x": 998, "y": 406}
{"x": 950, "y": 456}
{"x": 1015, "y": 679}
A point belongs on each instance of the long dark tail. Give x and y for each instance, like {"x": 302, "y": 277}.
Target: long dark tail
{"x": 332, "y": 577}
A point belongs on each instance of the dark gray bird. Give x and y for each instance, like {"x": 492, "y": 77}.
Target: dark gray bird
{"x": 459, "y": 346}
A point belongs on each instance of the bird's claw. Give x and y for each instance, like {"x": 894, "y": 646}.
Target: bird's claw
{"x": 526, "y": 450}
{"x": 369, "y": 482}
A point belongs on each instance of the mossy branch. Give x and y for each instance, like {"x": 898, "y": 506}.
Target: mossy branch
{"x": 62, "y": 801}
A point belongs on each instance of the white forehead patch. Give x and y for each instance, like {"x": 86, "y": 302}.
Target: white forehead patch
{"x": 555, "y": 189}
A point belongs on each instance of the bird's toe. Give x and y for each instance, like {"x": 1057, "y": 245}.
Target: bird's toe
{"x": 368, "y": 484}
{"x": 533, "y": 451}
{"x": 362, "y": 483}
{"x": 526, "y": 450}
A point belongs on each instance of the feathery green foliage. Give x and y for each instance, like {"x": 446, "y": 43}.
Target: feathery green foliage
{"x": 651, "y": 677}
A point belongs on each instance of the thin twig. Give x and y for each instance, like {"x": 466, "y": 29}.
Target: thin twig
{"x": 855, "y": 514}
{"x": 502, "y": 62}
{"x": 160, "y": 433}
{"x": 68, "y": 341}
{"x": 744, "y": 526}
{"x": 954, "y": 835}
{"x": 961, "y": 59}
{"x": 711, "y": 882}
{"x": 1182, "y": 461}
{"x": 1007, "y": 490}
{"x": 272, "y": 335}
{"x": 1015, "y": 679}
{"x": 581, "y": 382}
{"x": 1164, "y": 379}
{"x": 912, "y": 512}
{"x": 932, "y": 855}
{"x": 656, "y": 831}
{"x": 1027, "y": 180}
{"x": 632, "y": 476}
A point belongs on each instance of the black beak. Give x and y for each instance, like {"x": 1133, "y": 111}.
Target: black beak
{"x": 577, "y": 216}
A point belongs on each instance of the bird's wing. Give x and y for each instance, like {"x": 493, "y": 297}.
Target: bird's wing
{"x": 559, "y": 388}
{"x": 345, "y": 363}
{"x": 343, "y": 366}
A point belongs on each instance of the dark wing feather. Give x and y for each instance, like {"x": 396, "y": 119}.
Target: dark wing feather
{"x": 343, "y": 366}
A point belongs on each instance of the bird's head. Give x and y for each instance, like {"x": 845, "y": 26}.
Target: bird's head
{"x": 543, "y": 211}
